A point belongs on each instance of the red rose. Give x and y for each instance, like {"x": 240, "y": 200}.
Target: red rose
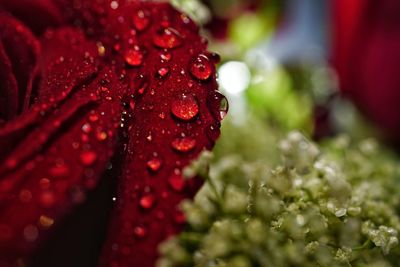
{"x": 94, "y": 93}
{"x": 367, "y": 56}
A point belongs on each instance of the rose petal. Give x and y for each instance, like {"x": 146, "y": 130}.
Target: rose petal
{"x": 154, "y": 46}
{"x": 8, "y": 88}
{"x": 38, "y": 14}
{"x": 21, "y": 48}
{"x": 64, "y": 153}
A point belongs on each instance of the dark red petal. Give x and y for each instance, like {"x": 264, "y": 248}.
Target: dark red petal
{"x": 65, "y": 149}
{"x": 19, "y": 51}
{"x": 8, "y": 88}
{"x": 37, "y": 14}
{"x": 168, "y": 103}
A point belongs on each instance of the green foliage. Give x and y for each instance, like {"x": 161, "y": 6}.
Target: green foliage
{"x": 302, "y": 204}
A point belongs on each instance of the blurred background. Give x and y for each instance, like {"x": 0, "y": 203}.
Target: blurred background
{"x": 295, "y": 71}
{"x": 320, "y": 66}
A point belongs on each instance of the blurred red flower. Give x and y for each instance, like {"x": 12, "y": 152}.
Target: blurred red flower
{"x": 366, "y": 41}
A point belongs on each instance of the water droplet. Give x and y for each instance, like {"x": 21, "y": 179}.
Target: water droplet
{"x": 45, "y": 221}
{"x": 114, "y": 4}
{"x": 185, "y": 107}
{"x": 86, "y": 128}
{"x": 93, "y": 117}
{"x": 154, "y": 164}
{"x": 214, "y": 57}
{"x": 147, "y": 201}
{"x": 140, "y": 231}
{"x": 162, "y": 72}
{"x": 167, "y": 38}
{"x": 101, "y": 49}
{"x": 165, "y": 56}
{"x": 183, "y": 144}
{"x": 219, "y": 105}
{"x": 87, "y": 158}
{"x": 201, "y": 67}
{"x": 176, "y": 182}
{"x": 133, "y": 57}
{"x": 141, "y": 19}
{"x": 101, "y": 136}
{"x": 31, "y": 233}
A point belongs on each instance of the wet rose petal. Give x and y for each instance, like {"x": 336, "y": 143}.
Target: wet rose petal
{"x": 94, "y": 92}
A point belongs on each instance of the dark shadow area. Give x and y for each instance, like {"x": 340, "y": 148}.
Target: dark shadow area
{"x": 78, "y": 240}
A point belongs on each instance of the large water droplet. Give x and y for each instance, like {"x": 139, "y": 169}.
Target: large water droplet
{"x": 88, "y": 158}
{"x": 185, "y": 107}
{"x": 219, "y": 105}
{"x": 183, "y": 144}
{"x": 201, "y": 67}
{"x": 147, "y": 201}
{"x": 141, "y": 19}
{"x": 133, "y": 57}
{"x": 154, "y": 164}
{"x": 167, "y": 38}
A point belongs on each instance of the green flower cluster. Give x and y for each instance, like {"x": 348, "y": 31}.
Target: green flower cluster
{"x": 336, "y": 204}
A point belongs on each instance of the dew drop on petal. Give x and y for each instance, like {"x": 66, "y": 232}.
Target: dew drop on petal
{"x": 101, "y": 136}
{"x": 185, "y": 107}
{"x": 88, "y": 158}
{"x": 133, "y": 57}
{"x": 141, "y": 19}
{"x": 183, "y": 144}
{"x": 45, "y": 221}
{"x": 154, "y": 164}
{"x": 86, "y": 128}
{"x": 176, "y": 182}
{"x": 147, "y": 201}
{"x": 201, "y": 68}
{"x": 140, "y": 231}
{"x": 165, "y": 56}
{"x": 162, "y": 72}
{"x": 167, "y": 38}
{"x": 218, "y": 105}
